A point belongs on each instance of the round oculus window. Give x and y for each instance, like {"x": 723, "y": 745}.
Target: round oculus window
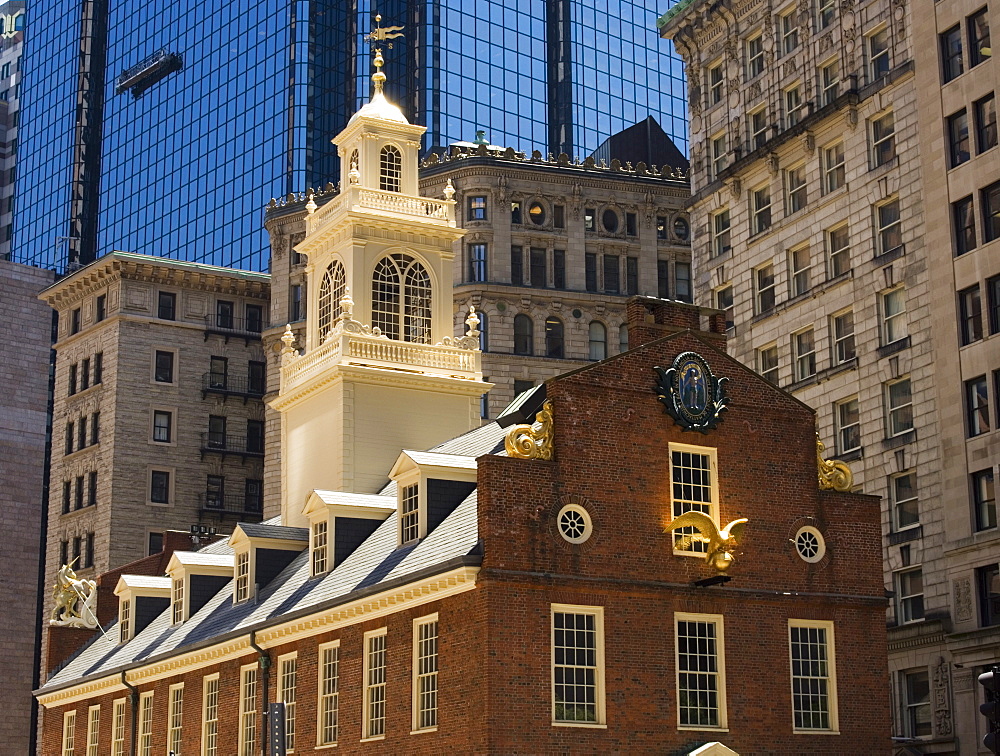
{"x": 610, "y": 221}
{"x": 537, "y": 213}
{"x": 574, "y": 523}
{"x": 681, "y": 229}
{"x": 809, "y": 544}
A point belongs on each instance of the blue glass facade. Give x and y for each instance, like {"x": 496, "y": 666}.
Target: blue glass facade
{"x": 184, "y": 169}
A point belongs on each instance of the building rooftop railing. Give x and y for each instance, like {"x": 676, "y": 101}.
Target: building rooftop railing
{"x": 227, "y": 443}
{"x": 229, "y": 385}
{"x": 242, "y": 505}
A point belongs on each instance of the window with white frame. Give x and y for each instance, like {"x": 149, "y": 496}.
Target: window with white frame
{"x": 125, "y": 621}
{"x": 834, "y": 174}
{"x": 287, "y": 682}
{"x": 916, "y": 691}
{"x": 401, "y": 299}
{"x": 848, "y": 416}
{"x": 760, "y": 209}
{"x": 767, "y": 363}
{"x": 390, "y": 169}
{"x": 764, "y": 288}
{"x": 210, "y": 716}
{"x": 425, "y": 673}
{"x": 701, "y": 679}
{"x": 898, "y": 407}
{"x": 694, "y": 487}
{"x": 800, "y": 266}
{"x": 788, "y": 28}
{"x": 827, "y": 10}
{"x": 878, "y": 54}
{"x": 374, "y": 682}
{"x": 715, "y": 84}
{"x": 889, "y": 226}
{"x": 718, "y": 153}
{"x": 882, "y": 136}
{"x": 892, "y": 308}
{"x": 146, "y": 724}
{"x": 319, "y": 546}
{"x": 328, "y": 708}
{"x": 94, "y": 731}
{"x": 409, "y": 513}
{"x": 910, "y": 595}
{"x": 804, "y": 349}
{"x": 118, "y": 727}
{"x": 69, "y": 733}
{"x": 795, "y": 188}
{"x": 758, "y": 128}
{"x": 814, "y": 679}
{"x": 829, "y": 80}
{"x": 903, "y": 492}
{"x": 248, "y": 710}
{"x": 242, "y": 590}
{"x": 175, "y": 717}
{"x": 793, "y": 105}
{"x": 331, "y": 291}
{"x": 721, "y": 232}
{"x": 177, "y": 600}
{"x": 842, "y": 331}
{"x": 577, "y": 665}
{"x": 755, "y": 56}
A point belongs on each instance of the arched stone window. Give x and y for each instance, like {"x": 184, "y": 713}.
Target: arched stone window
{"x": 598, "y": 340}
{"x": 553, "y": 337}
{"x": 390, "y": 169}
{"x": 524, "y": 334}
{"x": 331, "y": 291}
{"x": 401, "y": 299}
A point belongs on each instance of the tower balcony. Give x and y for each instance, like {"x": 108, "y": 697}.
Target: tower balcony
{"x": 427, "y": 211}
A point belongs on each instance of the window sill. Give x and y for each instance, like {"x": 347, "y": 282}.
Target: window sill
{"x": 901, "y": 440}
{"x": 422, "y": 731}
{"x": 815, "y": 732}
{"x": 372, "y": 739}
{"x": 887, "y": 257}
{"x": 911, "y": 533}
{"x": 803, "y": 383}
{"x": 885, "y": 167}
{"x": 844, "y": 367}
{"x": 764, "y": 315}
{"x": 851, "y": 456}
{"x": 690, "y": 728}
{"x": 897, "y": 346}
{"x": 587, "y": 725}
{"x": 326, "y": 747}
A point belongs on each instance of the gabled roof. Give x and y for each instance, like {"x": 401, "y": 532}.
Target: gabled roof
{"x": 281, "y": 532}
{"x": 410, "y": 459}
{"x": 140, "y": 582}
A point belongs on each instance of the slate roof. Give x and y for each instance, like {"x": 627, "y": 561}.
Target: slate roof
{"x": 441, "y": 460}
{"x": 144, "y": 581}
{"x": 356, "y": 499}
{"x": 260, "y": 530}
{"x": 204, "y": 558}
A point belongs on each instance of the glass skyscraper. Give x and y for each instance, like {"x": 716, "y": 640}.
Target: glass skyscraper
{"x": 164, "y": 128}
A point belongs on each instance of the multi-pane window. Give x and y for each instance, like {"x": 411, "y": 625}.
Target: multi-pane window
{"x": 94, "y": 729}
{"x": 523, "y": 334}
{"x": 319, "y": 546}
{"x": 814, "y": 689}
{"x": 959, "y": 150}
{"x": 899, "y": 407}
{"x": 162, "y": 422}
{"x": 793, "y": 105}
{"x": 577, "y": 664}
{"x": 159, "y": 487}
{"x": 69, "y": 733}
{"x": 332, "y": 288}
{"x": 175, "y": 718}
{"x": 883, "y": 139}
{"x": 390, "y": 168}
{"x": 799, "y": 264}
{"x": 701, "y": 689}
{"x": 425, "y": 673}
{"x": 830, "y": 79}
{"x": 329, "y": 694}
{"x": 951, "y": 53}
{"x": 788, "y": 28}
{"x": 248, "y": 711}
{"x": 848, "y": 426}
{"x": 842, "y": 330}
{"x": 295, "y": 302}
{"x": 758, "y": 128}
{"x": 760, "y": 208}
{"x": 977, "y": 406}
{"x": 878, "y": 54}
{"x": 984, "y": 499}
{"x": 764, "y": 288}
{"x": 986, "y": 123}
{"x": 755, "y": 56}
{"x": 401, "y": 299}
{"x": 903, "y": 491}
{"x": 724, "y": 302}
{"x": 210, "y": 716}
{"x": 693, "y": 488}
{"x": 287, "y": 681}
{"x": 890, "y": 227}
{"x": 838, "y": 244}
{"x": 916, "y": 703}
{"x": 795, "y": 187}
{"x": 833, "y": 167}
{"x": 910, "y": 595}
{"x": 718, "y": 153}
{"x": 177, "y": 600}
{"x": 598, "y": 340}
{"x": 409, "y": 514}
{"x": 827, "y": 10}
{"x": 241, "y": 592}
{"x": 70, "y": 435}
{"x": 990, "y": 204}
{"x": 979, "y": 38}
{"x": 715, "y": 77}
{"x": 893, "y": 311}
{"x": 963, "y": 221}
{"x": 224, "y": 314}
{"x": 477, "y": 208}
{"x": 125, "y": 621}
{"x": 118, "y": 728}
{"x": 970, "y": 315}
{"x": 374, "y": 682}
{"x": 218, "y": 372}
{"x": 254, "y": 318}
{"x": 146, "y": 724}
{"x": 804, "y": 350}
{"x": 554, "y": 342}
{"x": 721, "y": 232}
{"x": 767, "y": 363}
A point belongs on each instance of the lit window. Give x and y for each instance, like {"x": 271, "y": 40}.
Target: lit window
{"x": 977, "y": 407}
{"x": 878, "y": 54}
{"x": 118, "y": 728}
{"x": 795, "y": 187}
{"x": 329, "y": 693}
{"x": 146, "y": 724}
{"x": 598, "y": 335}
{"x": 893, "y": 307}
{"x": 720, "y": 232}
{"x": 319, "y": 547}
{"x": 401, "y": 299}
{"x": 890, "y": 227}
{"x": 848, "y": 426}
{"x": 951, "y": 53}
{"x": 814, "y": 682}
{"x": 899, "y": 407}
{"x": 409, "y": 513}
{"x": 210, "y": 716}
{"x": 883, "y": 139}
{"x": 804, "y": 349}
{"x": 764, "y": 285}
{"x": 903, "y": 491}
{"x": 69, "y": 733}
{"x": 694, "y": 488}
{"x": 577, "y": 664}
{"x": 984, "y": 499}
{"x": 755, "y": 56}
{"x": 830, "y": 76}
{"x": 331, "y": 291}
{"x": 800, "y": 264}
{"x": 287, "y": 681}
{"x": 175, "y": 718}
{"x": 390, "y": 169}
{"x": 701, "y": 680}
{"x": 248, "y": 711}
{"x": 374, "y": 682}
{"x": 242, "y": 590}
{"x": 842, "y": 329}
{"x": 834, "y": 175}
{"x": 760, "y": 207}
{"x": 536, "y": 212}
{"x": 793, "y": 105}
{"x": 979, "y": 38}
{"x": 425, "y": 673}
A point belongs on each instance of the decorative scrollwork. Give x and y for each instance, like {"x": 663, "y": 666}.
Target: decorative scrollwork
{"x": 833, "y": 475}
{"x": 524, "y": 442}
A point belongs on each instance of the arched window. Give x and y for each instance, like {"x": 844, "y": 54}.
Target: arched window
{"x": 353, "y": 161}
{"x": 484, "y": 340}
{"x": 553, "y": 337}
{"x": 390, "y": 169}
{"x": 524, "y": 334}
{"x": 401, "y": 299}
{"x": 598, "y": 340}
{"x": 331, "y": 291}
{"x": 623, "y": 337}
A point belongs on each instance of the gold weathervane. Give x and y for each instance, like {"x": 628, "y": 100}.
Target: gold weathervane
{"x": 375, "y": 38}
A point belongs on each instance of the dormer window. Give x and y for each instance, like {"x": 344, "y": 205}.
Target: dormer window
{"x": 401, "y": 299}
{"x": 319, "y": 545}
{"x": 429, "y": 487}
{"x": 125, "y": 622}
{"x": 390, "y": 169}
{"x": 242, "y": 589}
{"x": 409, "y": 513}
{"x": 141, "y": 598}
{"x": 177, "y": 601}
{"x": 331, "y": 291}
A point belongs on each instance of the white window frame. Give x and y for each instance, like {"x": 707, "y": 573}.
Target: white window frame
{"x": 175, "y": 717}
{"x": 758, "y": 136}
{"x": 328, "y": 693}
{"x": 788, "y": 31}
{"x": 909, "y": 707}
{"x": 765, "y": 374}
{"x": 834, "y": 167}
{"x": 248, "y": 742}
{"x": 210, "y": 715}
{"x": 719, "y": 150}
{"x": 844, "y": 339}
{"x": 830, "y": 80}
{"x": 897, "y": 501}
{"x": 834, "y": 255}
{"x": 844, "y": 428}
{"x": 799, "y": 275}
{"x": 894, "y": 325}
{"x": 319, "y": 547}
{"x": 830, "y": 678}
{"x": 874, "y": 57}
{"x": 759, "y": 290}
{"x": 411, "y": 515}
{"x": 600, "y": 706}
{"x": 425, "y": 676}
{"x": 680, "y": 506}
{"x": 373, "y": 728}
{"x": 178, "y": 599}
{"x": 904, "y": 615}
{"x": 754, "y": 49}
{"x": 288, "y": 682}
{"x": 890, "y": 409}
{"x": 804, "y": 358}
{"x": 118, "y": 727}
{"x": 94, "y": 730}
{"x": 722, "y": 239}
{"x": 241, "y": 576}
{"x": 715, "y": 88}
{"x": 796, "y": 189}
{"x": 125, "y": 620}
{"x": 69, "y": 733}
{"x": 720, "y": 665}
{"x": 888, "y": 137}
{"x": 758, "y": 207}
{"x": 882, "y": 229}
{"x": 145, "y": 744}
{"x": 793, "y": 104}
{"x": 825, "y": 13}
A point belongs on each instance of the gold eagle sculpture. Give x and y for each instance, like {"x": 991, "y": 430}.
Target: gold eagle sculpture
{"x": 721, "y": 543}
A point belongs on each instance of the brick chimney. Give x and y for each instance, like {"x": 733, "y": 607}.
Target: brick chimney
{"x": 650, "y": 318}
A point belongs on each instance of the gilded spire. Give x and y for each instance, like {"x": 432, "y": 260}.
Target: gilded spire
{"x": 377, "y": 36}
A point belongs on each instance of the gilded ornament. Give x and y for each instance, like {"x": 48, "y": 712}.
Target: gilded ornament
{"x": 721, "y": 543}
{"x": 75, "y": 600}
{"x": 525, "y": 442}
{"x": 833, "y": 475}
